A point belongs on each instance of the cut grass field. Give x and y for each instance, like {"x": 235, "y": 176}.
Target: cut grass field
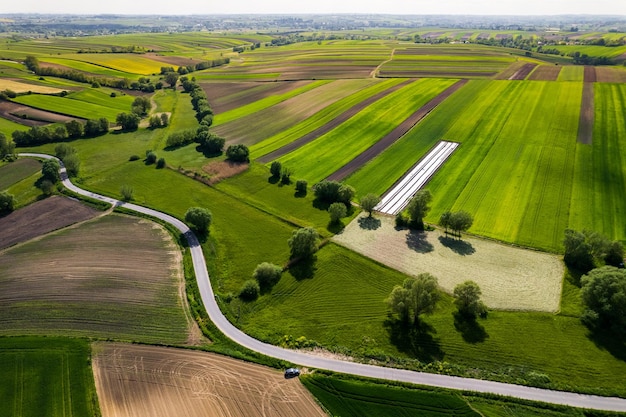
{"x": 320, "y": 158}
{"x": 19, "y": 87}
{"x": 114, "y": 277}
{"x": 50, "y": 376}
{"x": 67, "y": 106}
{"x": 137, "y": 380}
{"x": 528, "y": 137}
{"x": 19, "y": 170}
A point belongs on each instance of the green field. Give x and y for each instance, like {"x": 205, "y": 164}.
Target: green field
{"x": 50, "y": 376}
{"x": 70, "y": 107}
{"x": 17, "y": 171}
{"x": 326, "y": 154}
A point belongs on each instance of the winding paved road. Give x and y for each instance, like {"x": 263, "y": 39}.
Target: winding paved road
{"x": 420, "y": 378}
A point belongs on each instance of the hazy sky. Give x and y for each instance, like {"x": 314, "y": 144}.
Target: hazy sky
{"x": 525, "y": 7}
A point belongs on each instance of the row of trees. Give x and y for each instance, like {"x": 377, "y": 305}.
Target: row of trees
{"x": 186, "y": 69}
{"x": 586, "y": 250}
{"x": 73, "y": 129}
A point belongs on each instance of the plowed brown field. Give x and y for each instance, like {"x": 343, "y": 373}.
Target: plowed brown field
{"x": 139, "y": 381}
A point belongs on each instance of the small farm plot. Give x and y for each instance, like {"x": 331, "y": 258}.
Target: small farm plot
{"x": 46, "y": 376}
{"x": 19, "y": 87}
{"x": 396, "y": 199}
{"x": 134, "y": 380}
{"x": 510, "y": 278}
{"x": 68, "y": 106}
{"x": 17, "y": 171}
{"x": 114, "y": 277}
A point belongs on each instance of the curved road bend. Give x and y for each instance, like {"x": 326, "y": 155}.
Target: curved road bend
{"x": 304, "y": 359}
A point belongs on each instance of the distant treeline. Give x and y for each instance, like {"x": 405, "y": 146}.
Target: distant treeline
{"x": 186, "y": 69}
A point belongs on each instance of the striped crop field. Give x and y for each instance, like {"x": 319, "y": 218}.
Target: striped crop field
{"x": 102, "y": 97}
{"x": 264, "y": 103}
{"x": 124, "y": 63}
{"x": 273, "y": 120}
{"x": 514, "y": 168}
{"x": 545, "y": 73}
{"x": 317, "y": 159}
{"x": 71, "y": 107}
{"x": 84, "y": 66}
{"x": 598, "y": 201}
{"x": 592, "y": 50}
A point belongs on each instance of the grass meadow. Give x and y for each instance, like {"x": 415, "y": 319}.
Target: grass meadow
{"x": 19, "y": 170}
{"x": 70, "y": 107}
{"x": 46, "y": 375}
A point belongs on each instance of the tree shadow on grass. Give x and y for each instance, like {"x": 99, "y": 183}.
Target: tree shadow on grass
{"x": 415, "y": 340}
{"x": 458, "y": 246}
{"x": 273, "y": 179}
{"x": 303, "y": 268}
{"x": 471, "y": 331}
{"x": 416, "y": 241}
{"x": 369, "y": 223}
{"x": 610, "y": 341}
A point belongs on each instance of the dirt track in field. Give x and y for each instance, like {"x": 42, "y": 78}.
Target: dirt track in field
{"x": 139, "y": 381}
{"x": 590, "y": 74}
{"x": 585, "y": 124}
{"x": 40, "y": 218}
{"x": 510, "y": 278}
{"x": 523, "y": 72}
{"x": 389, "y": 139}
{"x": 311, "y": 136}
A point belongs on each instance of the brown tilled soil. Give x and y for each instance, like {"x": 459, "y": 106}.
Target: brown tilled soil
{"x": 219, "y": 170}
{"x": 40, "y": 218}
{"x": 510, "y": 278}
{"x": 175, "y": 61}
{"x": 32, "y": 117}
{"x": 227, "y": 96}
{"x": 585, "y": 124}
{"x": 611, "y": 75}
{"x": 523, "y": 72}
{"x": 545, "y": 73}
{"x": 590, "y": 74}
{"x": 394, "y": 135}
{"x": 309, "y": 137}
{"x": 138, "y": 381}
{"x": 436, "y": 74}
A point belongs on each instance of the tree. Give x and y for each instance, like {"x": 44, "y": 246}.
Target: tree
{"x": 171, "y": 78}
{"x": 337, "y": 211}
{"x": 165, "y": 119}
{"x": 419, "y": 207}
{"x": 301, "y": 187}
{"x": 416, "y": 296}
{"x": 444, "y": 220}
{"x": 127, "y": 192}
{"x": 250, "y": 290}
{"x": 155, "y": 122}
{"x": 141, "y": 106}
{"x": 212, "y": 144}
{"x": 199, "y": 219}
{"x": 333, "y": 192}
{"x": 238, "y": 153}
{"x": 46, "y": 187}
{"x": 615, "y": 254}
{"x": 128, "y": 121}
{"x": 74, "y": 129}
{"x": 275, "y": 169}
{"x": 62, "y": 150}
{"x": 285, "y": 175}
{"x": 72, "y": 164}
{"x": 368, "y": 202}
{"x": 7, "y": 203}
{"x": 7, "y": 147}
{"x": 267, "y": 275}
{"x": 460, "y": 221}
{"x": 603, "y": 292}
{"x": 151, "y": 157}
{"x": 303, "y": 242}
{"x": 50, "y": 170}
{"x": 160, "y": 163}
{"x": 577, "y": 251}
{"x": 467, "y": 299}
{"x": 346, "y": 194}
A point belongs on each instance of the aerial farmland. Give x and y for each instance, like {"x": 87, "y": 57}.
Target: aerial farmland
{"x": 528, "y": 143}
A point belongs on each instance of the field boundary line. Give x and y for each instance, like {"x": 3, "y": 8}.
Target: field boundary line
{"x": 396, "y": 134}
{"x": 309, "y": 360}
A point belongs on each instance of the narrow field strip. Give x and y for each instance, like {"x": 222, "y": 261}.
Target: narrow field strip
{"x": 585, "y": 125}
{"x": 330, "y": 125}
{"x": 399, "y": 196}
{"x": 393, "y": 136}
{"x": 523, "y": 72}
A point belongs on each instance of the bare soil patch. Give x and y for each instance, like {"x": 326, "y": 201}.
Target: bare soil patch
{"x": 219, "y": 170}
{"x": 393, "y": 136}
{"x": 545, "y": 73}
{"x": 585, "y": 124}
{"x": 40, "y": 218}
{"x": 112, "y": 277}
{"x": 137, "y": 381}
{"x": 30, "y": 116}
{"x": 175, "y": 61}
{"x": 590, "y": 74}
{"x": 311, "y": 136}
{"x": 611, "y": 75}
{"x": 509, "y": 71}
{"x": 510, "y": 278}
{"x": 523, "y": 72}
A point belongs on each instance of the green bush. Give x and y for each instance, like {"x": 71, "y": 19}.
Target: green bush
{"x": 250, "y": 290}
{"x": 160, "y": 163}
